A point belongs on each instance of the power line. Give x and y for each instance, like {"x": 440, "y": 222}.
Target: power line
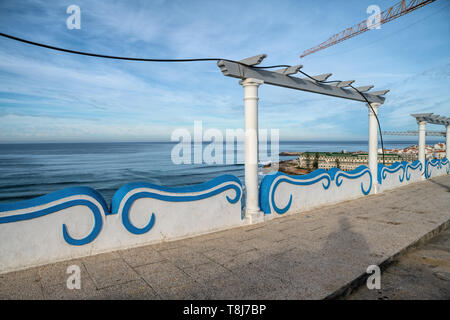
{"x": 367, "y": 101}
{"x": 96, "y": 55}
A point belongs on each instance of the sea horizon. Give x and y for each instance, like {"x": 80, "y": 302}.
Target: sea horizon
{"x": 29, "y": 170}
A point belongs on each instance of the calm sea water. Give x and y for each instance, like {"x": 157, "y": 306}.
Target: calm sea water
{"x": 30, "y": 170}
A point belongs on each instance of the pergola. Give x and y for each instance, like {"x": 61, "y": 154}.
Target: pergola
{"x": 424, "y": 118}
{"x": 252, "y": 77}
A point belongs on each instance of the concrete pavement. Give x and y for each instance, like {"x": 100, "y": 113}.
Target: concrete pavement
{"x": 421, "y": 274}
{"x": 317, "y": 254}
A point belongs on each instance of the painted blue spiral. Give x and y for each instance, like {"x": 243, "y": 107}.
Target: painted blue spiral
{"x": 383, "y": 170}
{"x": 433, "y": 163}
{"x": 354, "y": 174}
{"x": 414, "y": 166}
{"x": 177, "y": 196}
{"x": 61, "y": 194}
{"x": 267, "y": 192}
{"x": 445, "y": 162}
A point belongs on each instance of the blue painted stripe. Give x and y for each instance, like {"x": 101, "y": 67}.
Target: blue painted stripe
{"x": 171, "y": 198}
{"x": 436, "y": 163}
{"x": 413, "y": 166}
{"x": 383, "y": 170}
{"x": 82, "y": 202}
{"x": 123, "y": 191}
{"x": 54, "y": 196}
{"x": 354, "y": 174}
{"x": 269, "y": 186}
{"x": 266, "y": 195}
{"x": 299, "y": 182}
{"x": 176, "y": 197}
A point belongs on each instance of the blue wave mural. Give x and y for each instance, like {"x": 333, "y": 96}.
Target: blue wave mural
{"x": 436, "y": 163}
{"x": 354, "y": 174}
{"x": 270, "y": 183}
{"x": 412, "y": 166}
{"x": 177, "y": 194}
{"x": 395, "y": 167}
{"x": 445, "y": 162}
{"x": 32, "y": 212}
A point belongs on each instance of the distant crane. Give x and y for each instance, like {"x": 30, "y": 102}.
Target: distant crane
{"x": 399, "y": 9}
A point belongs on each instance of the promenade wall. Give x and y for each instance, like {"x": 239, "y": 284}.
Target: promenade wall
{"x": 77, "y": 222}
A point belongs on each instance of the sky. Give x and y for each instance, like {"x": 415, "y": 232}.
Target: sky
{"x": 48, "y": 96}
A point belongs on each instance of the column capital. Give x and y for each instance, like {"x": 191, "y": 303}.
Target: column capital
{"x": 373, "y": 107}
{"x": 251, "y": 82}
{"x": 421, "y": 123}
{"x": 375, "y": 104}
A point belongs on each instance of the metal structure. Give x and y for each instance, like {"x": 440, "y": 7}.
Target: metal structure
{"x": 414, "y": 133}
{"x": 424, "y": 118}
{"x": 284, "y": 78}
{"x": 399, "y": 9}
{"x": 252, "y": 77}
{"x": 432, "y": 118}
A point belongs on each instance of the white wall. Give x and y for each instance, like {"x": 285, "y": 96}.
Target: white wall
{"x": 76, "y": 222}
{"x": 398, "y": 174}
{"x": 32, "y": 232}
{"x": 281, "y": 193}
{"x": 437, "y": 167}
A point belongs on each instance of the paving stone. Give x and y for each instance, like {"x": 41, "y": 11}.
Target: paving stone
{"x": 110, "y": 272}
{"x": 133, "y": 290}
{"x": 56, "y": 274}
{"x": 21, "y": 285}
{"x": 158, "y": 267}
{"x": 184, "y": 257}
{"x": 191, "y": 291}
{"x": 141, "y": 256}
{"x": 60, "y": 291}
{"x": 202, "y": 273}
{"x": 167, "y": 279}
{"x": 102, "y": 257}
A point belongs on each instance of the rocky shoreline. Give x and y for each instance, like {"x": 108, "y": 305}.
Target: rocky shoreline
{"x": 286, "y": 166}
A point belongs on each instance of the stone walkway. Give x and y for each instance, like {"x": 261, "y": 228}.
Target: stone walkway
{"x": 421, "y": 274}
{"x": 311, "y": 255}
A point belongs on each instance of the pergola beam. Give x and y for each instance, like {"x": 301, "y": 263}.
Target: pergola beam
{"x": 236, "y": 70}
{"x": 432, "y": 118}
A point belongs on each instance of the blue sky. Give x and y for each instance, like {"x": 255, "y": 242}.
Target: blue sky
{"x": 48, "y": 96}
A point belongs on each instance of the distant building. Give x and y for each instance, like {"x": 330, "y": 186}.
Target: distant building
{"x": 344, "y": 161}
{"x": 411, "y": 153}
{"x": 351, "y": 160}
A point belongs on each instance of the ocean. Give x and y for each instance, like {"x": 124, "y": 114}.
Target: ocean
{"x": 31, "y": 170}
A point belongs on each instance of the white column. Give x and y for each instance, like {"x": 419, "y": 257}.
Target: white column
{"x": 422, "y": 133}
{"x": 373, "y": 145}
{"x": 252, "y": 211}
{"x": 447, "y": 143}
